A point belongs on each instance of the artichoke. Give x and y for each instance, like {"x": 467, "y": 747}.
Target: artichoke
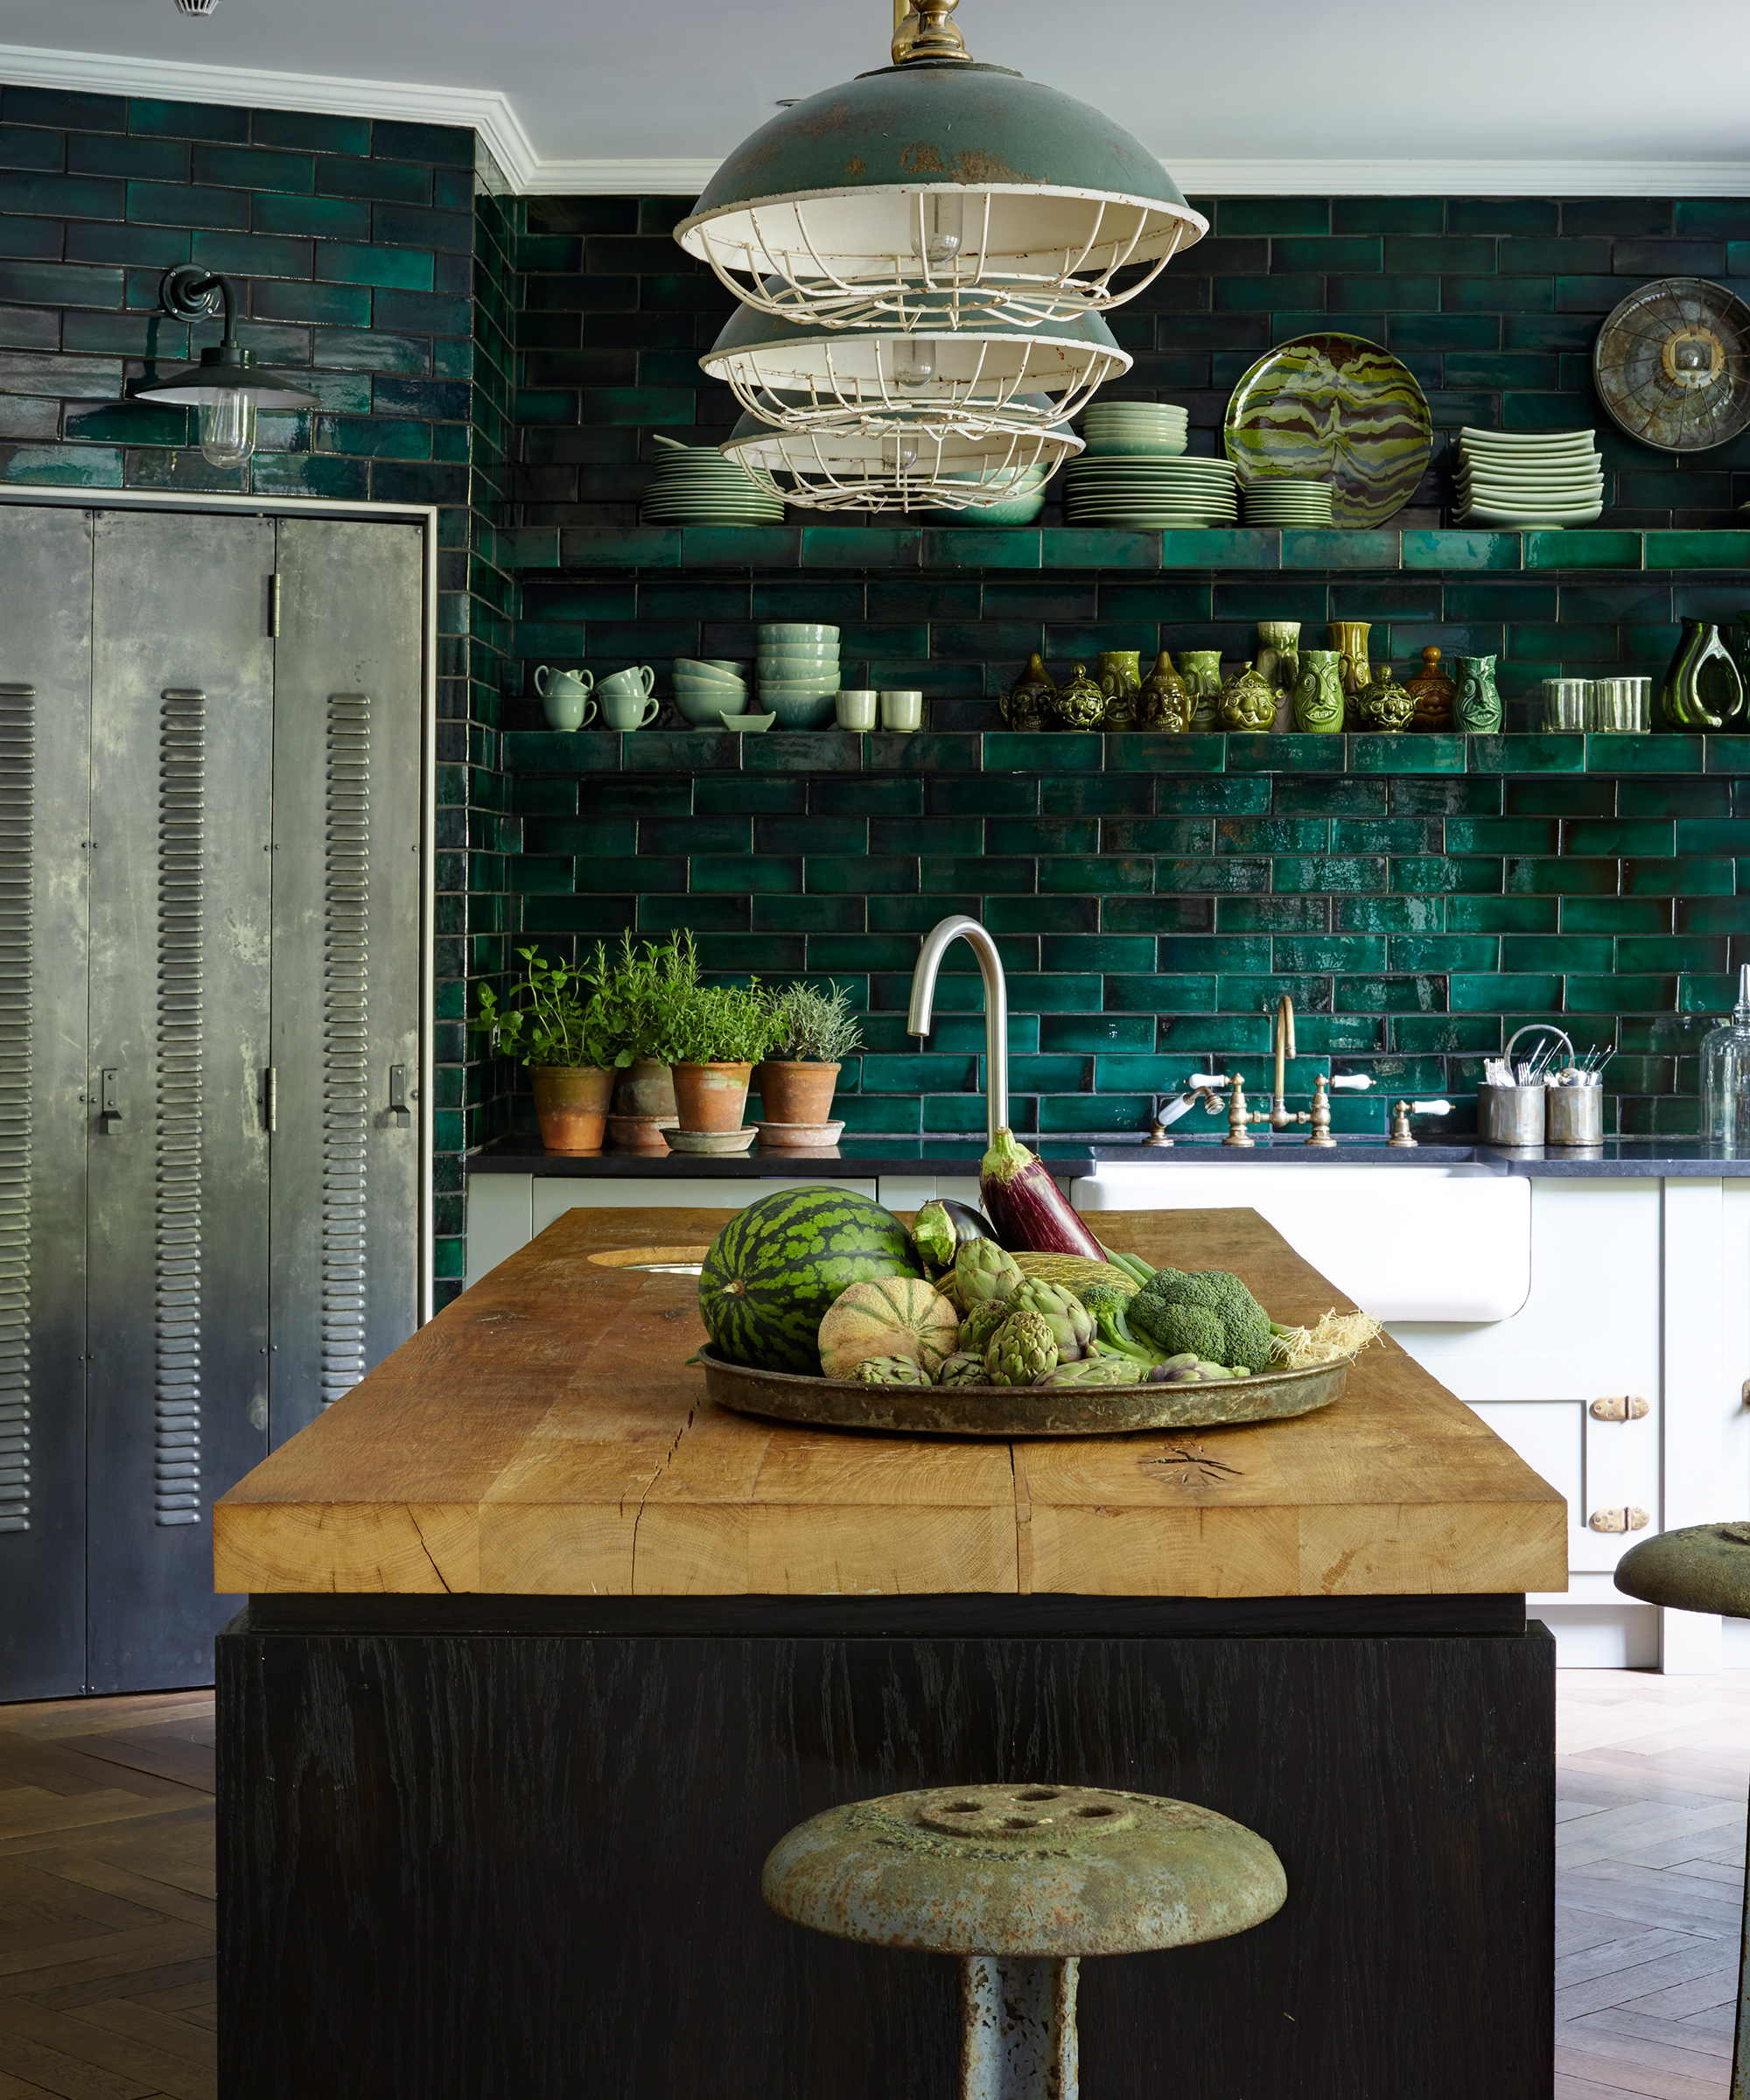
{"x": 1022, "y": 1349}
{"x": 1063, "y": 1312}
{"x": 1096, "y": 1371}
{"x": 965, "y": 1368}
{"x": 984, "y": 1270}
{"x": 982, "y": 1322}
{"x": 891, "y": 1370}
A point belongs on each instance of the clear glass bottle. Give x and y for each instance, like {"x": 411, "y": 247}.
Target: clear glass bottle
{"x": 1725, "y": 1076}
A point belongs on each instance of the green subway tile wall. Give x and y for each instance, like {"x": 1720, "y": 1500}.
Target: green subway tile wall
{"x": 377, "y": 258}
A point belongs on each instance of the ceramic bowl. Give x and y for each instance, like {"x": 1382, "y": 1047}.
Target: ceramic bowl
{"x": 705, "y": 671}
{"x": 786, "y": 633}
{"x": 798, "y": 652}
{"x": 784, "y": 671}
{"x": 1017, "y": 510}
{"x": 719, "y": 696}
{"x": 783, "y": 693}
{"x": 700, "y": 710}
{"x": 800, "y": 711}
{"x": 1164, "y": 447}
{"x": 748, "y": 724}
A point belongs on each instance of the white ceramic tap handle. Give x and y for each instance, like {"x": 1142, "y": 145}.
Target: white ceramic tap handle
{"x": 1431, "y": 1108}
{"x": 1354, "y": 1082}
{"x": 1207, "y": 1079}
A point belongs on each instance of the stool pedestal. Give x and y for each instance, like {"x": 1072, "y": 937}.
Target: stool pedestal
{"x": 1018, "y": 2042}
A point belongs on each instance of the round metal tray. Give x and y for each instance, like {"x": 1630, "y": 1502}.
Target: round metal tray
{"x": 1019, "y": 1411}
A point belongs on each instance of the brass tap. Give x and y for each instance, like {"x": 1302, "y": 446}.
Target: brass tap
{"x": 1239, "y": 1116}
{"x": 1400, "y": 1133}
{"x": 1282, "y": 1042}
{"x": 1321, "y": 1115}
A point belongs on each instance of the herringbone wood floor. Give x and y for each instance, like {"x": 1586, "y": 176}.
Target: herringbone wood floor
{"x": 107, "y": 1987}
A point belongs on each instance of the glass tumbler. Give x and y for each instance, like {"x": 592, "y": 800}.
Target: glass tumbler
{"x": 1725, "y": 1076}
{"x": 1620, "y": 706}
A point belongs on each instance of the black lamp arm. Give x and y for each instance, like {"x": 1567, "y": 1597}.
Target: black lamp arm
{"x": 186, "y": 292}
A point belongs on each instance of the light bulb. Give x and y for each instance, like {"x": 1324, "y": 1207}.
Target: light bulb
{"x": 227, "y": 426}
{"x": 898, "y": 452}
{"x": 913, "y": 362}
{"x": 938, "y": 226}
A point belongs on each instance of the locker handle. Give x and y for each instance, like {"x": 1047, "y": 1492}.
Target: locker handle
{"x": 17, "y": 692}
{"x": 270, "y": 1097}
{"x": 397, "y": 1094}
{"x": 108, "y": 1094}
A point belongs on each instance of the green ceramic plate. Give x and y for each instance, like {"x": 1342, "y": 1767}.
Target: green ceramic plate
{"x": 1334, "y": 407}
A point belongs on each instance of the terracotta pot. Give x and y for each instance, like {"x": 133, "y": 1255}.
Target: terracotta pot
{"x": 791, "y": 1091}
{"x": 712, "y": 1097}
{"x": 571, "y": 1103}
{"x": 644, "y": 1088}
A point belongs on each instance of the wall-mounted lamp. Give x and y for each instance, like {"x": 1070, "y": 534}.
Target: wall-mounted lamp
{"x": 227, "y": 386}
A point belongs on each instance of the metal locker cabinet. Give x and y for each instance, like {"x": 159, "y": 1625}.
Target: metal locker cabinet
{"x": 182, "y": 739}
{"x": 45, "y": 769}
{"x": 346, "y": 958}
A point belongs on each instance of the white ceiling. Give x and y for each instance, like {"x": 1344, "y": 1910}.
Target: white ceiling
{"x": 1480, "y": 94}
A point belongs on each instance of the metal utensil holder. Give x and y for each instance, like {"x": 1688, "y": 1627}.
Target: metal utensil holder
{"x": 1573, "y": 1115}
{"x": 1515, "y": 1115}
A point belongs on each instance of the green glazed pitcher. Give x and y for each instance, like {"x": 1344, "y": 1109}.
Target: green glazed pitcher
{"x": 1703, "y": 690}
{"x": 1476, "y": 705}
{"x": 1318, "y": 693}
{"x": 1201, "y": 671}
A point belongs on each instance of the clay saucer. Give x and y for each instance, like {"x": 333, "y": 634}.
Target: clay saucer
{"x": 786, "y": 1137}
{"x": 712, "y": 1143}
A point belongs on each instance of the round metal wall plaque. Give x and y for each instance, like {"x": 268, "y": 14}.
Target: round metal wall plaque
{"x": 1672, "y": 365}
{"x": 1018, "y": 1410}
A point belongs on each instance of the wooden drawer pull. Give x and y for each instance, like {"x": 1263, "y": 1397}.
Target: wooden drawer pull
{"x": 1619, "y": 1407}
{"x": 1619, "y": 1520}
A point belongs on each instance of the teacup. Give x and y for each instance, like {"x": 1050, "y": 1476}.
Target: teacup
{"x": 903, "y": 712}
{"x": 855, "y": 708}
{"x": 638, "y": 681}
{"x": 629, "y": 710}
{"x": 565, "y": 697}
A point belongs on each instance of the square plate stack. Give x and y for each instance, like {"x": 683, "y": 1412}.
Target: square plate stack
{"x": 1525, "y": 481}
{"x": 695, "y": 484}
{"x": 1288, "y": 500}
{"x": 798, "y": 673}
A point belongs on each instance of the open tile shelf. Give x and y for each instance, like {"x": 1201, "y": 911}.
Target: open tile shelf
{"x": 530, "y": 548}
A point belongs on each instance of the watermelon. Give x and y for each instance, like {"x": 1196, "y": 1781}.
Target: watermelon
{"x": 775, "y": 1268}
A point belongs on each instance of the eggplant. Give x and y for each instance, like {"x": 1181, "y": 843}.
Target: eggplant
{"x": 1030, "y": 1212}
{"x": 969, "y": 1224}
{"x": 942, "y": 1228}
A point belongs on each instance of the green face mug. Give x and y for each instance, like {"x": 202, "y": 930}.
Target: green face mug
{"x": 1318, "y": 693}
{"x": 1201, "y": 671}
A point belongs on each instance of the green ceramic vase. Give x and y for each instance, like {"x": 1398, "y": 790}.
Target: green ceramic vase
{"x": 1164, "y": 704}
{"x": 1318, "y": 693}
{"x": 1079, "y": 704}
{"x": 1476, "y": 705}
{"x": 1278, "y": 653}
{"x": 1248, "y": 702}
{"x": 1120, "y": 675}
{"x": 1703, "y": 690}
{"x": 1027, "y": 703}
{"x": 1201, "y": 671}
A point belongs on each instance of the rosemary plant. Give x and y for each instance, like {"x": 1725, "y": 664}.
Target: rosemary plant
{"x": 814, "y": 1024}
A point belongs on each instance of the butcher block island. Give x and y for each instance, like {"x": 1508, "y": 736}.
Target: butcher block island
{"x": 544, "y": 1651}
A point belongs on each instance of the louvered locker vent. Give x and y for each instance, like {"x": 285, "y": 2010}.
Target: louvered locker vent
{"x": 17, "y": 827}
{"x": 179, "y": 1012}
{"x": 345, "y": 1042}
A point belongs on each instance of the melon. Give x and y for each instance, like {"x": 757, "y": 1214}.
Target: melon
{"x": 775, "y": 1268}
{"x": 898, "y": 1316}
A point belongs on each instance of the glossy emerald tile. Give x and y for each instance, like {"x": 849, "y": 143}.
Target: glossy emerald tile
{"x": 1083, "y": 547}
{"x": 1461, "y": 550}
{"x": 1444, "y": 952}
{"x": 1327, "y": 872}
{"x": 1516, "y": 753}
{"x": 829, "y": 873}
{"x": 1583, "y": 548}
{"x": 1728, "y": 754}
{"x": 803, "y": 752}
{"x": 1296, "y": 953}
{"x": 1211, "y": 547}
{"x": 1501, "y": 914}
{"x": 875, "y": 547}
{"x": 987, "y": 547}
{"x": 1658, "y": 753}
{"x": 739, "y": 546}
{"x": 1286, "y": 753}
{"x": 1107, "y": 794}
{"x": 1339, "y": 549}
{"x": 1145, "y": 752}
{"x": 929, "y": 752}
{"x": 1441, "y": 874}
{"x": 1410, "y": 796}
{"x": 1409, "y": 753}
{"x": 1688, "y": 876}
{"x": 1698, "y": 550}
{"x": 1713, "y": 914}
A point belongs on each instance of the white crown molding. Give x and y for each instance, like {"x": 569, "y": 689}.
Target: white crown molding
{"x": 491, "y": 115}
{"x": 481, "y": 109}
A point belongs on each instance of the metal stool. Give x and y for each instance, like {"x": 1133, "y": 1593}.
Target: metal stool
{"x": 1703, "y": 1568}
{"x": 1021, "y": 1881}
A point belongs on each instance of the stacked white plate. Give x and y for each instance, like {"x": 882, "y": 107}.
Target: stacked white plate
{"x": 1534, "y": 479}
{"x": 695, "y": 484}
{"x": 1134, "y": 429}
{"x": 1157, "y": 494}
{"x": 798, "y": 673}
{"x": 1286, "y": 499}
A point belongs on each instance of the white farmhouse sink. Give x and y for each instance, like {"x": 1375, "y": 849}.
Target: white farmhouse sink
{"x": 1406, "y": 1242}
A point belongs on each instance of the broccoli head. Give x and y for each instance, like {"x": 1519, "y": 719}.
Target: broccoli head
{"x": 1096, "y": 1296}
{"x": 1242, "y": 1327}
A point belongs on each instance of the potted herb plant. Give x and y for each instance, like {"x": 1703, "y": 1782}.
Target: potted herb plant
{"x": 550, "y": 1022}
{"x": 716, "y": 1036}
{"x": 816, "y": 1031}
{"x": 637, "y": 995}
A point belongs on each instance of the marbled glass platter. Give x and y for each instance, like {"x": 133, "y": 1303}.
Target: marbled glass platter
{"x": 1336, "y": 408}
{"x": 1672, "y": 364}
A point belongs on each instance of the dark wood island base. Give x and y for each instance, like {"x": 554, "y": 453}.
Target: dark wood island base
{"x": 479, "y": 1845}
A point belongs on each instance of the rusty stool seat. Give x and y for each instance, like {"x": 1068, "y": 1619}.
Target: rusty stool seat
{"x": 1021, "y": 1882}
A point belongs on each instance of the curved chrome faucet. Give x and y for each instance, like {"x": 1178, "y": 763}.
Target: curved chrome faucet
{"x": 935, "y": 945}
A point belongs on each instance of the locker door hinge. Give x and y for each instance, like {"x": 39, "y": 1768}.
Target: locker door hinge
{"x": 271, "y": 1098}
{"x": 108, "y": 1096}
{"x": 273, "y": 607}
{"x": 398, "y": 1095}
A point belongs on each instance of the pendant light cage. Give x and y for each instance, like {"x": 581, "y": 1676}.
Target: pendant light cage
{"x": 912, "y": 467}
{"x": 903, "y": 258}
{"x": 971, "y": 383}
{"x": 196, "y": 7}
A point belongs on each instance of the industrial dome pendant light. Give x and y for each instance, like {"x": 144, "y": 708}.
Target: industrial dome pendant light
{"x": 897, "y": 466}
{"x": 201, "y": 8}
{"x": 227, "y": 386}
{"x": 989, "y": 375}
{"x": 938, "y": 190}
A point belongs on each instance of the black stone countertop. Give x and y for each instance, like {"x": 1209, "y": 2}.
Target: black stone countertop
{"x": 860, "y": 1158}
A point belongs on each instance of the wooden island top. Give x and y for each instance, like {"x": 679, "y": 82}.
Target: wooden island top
{"x": 543, "y": 1436}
